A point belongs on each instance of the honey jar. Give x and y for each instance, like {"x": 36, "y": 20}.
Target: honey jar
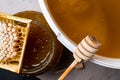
{"x": 43, "y": 50}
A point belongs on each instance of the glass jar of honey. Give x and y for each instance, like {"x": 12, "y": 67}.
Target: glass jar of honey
{"x": 43, "y": 50}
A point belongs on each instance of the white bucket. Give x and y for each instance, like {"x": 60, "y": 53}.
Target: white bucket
{"x": 62, "y": 37}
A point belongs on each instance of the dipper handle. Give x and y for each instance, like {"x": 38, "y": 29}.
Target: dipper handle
{"x": 84, "y": 51}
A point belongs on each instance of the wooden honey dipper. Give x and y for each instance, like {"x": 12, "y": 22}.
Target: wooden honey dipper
{"x": 84, "y": 51}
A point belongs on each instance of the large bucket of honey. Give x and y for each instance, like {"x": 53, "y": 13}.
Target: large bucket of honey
{"x": 72, "y": 20}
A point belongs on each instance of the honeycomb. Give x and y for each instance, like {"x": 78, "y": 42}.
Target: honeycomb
{"x": 13, "y": 37}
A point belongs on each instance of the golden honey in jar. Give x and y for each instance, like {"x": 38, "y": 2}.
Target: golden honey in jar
{"x": 43, "y": 50}
{"x": 78, "y": 18}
